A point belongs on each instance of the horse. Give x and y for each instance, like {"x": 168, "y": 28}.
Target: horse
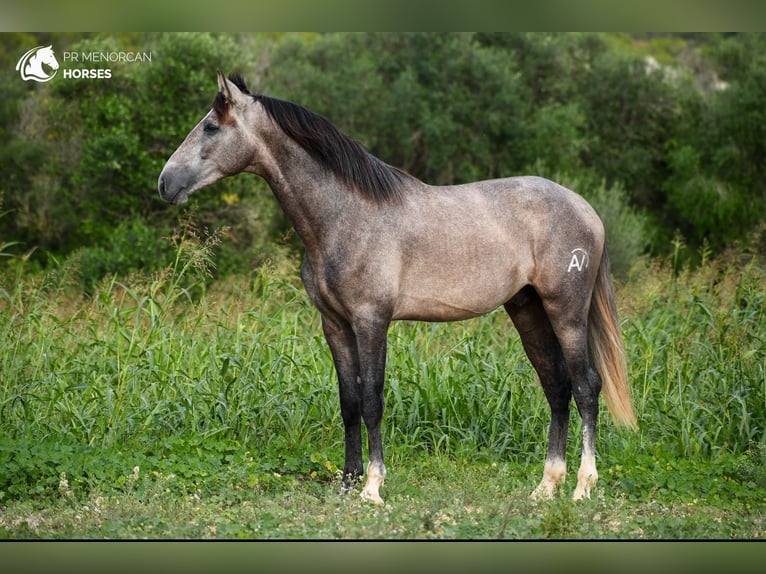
{"x": 381, "y": 246}
{"x": 31, "y": 64}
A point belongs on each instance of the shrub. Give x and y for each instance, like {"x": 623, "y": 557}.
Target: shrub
{"x": 133, "y": 247}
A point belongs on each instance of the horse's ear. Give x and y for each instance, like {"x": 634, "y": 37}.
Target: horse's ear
{"x": 222, "y": 87}
{"x": 230, "y": 92}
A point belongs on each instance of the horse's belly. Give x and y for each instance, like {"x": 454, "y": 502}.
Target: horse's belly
{"x": 457, "y": 303}
{"x": 415, "y": 309}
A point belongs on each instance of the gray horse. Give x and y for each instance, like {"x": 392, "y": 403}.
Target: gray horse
{"x": 381, "y": 245}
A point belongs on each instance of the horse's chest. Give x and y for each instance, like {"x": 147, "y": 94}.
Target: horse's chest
{"x": 335, "y": 287}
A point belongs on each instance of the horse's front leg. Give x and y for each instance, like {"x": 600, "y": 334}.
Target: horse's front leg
{"x": 371, "y": 340}
{"x": 342, "y": 341}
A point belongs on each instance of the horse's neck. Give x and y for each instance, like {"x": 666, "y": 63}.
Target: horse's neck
{"x": 315, "y": 200}
{"x": 35, "y": 65}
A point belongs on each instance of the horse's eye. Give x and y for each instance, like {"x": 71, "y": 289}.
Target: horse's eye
{"x": 210, "y": 128}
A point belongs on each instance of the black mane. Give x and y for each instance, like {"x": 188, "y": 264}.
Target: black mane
{"x": 339, "y": 153}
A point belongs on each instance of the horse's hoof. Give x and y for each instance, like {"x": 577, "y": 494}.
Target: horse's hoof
{"x": 542, "y": 492}
{"x": 373, "y": 497}
{"x": 579, "y": 494}
{"x": 376, "y": 473}
{"x": 586, "y": 481}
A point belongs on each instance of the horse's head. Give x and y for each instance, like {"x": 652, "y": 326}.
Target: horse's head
{"x": 221, "y": 144}
{"x": 47, "y": 57}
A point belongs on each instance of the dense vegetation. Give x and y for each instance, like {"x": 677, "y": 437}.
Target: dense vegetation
{"x": 663, "y": 134}
{"x": 163, "y": 373}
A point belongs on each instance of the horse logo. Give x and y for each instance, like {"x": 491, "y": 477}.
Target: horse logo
{"x": 30, "y": 65}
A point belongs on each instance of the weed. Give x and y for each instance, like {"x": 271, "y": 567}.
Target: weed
{"x": 751, "y": 465}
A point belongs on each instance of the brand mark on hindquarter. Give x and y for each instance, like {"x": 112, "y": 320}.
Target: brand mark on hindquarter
{"x": 579, "y": 259}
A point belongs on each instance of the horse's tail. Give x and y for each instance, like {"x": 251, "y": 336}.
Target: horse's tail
{"x": 606, "y": 348}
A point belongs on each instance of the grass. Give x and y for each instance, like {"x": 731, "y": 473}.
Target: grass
{"x": 173, "y": 406}
{"x": 429, "y": 497}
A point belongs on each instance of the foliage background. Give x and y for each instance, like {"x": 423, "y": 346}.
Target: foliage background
{"x": 661, "y": 132}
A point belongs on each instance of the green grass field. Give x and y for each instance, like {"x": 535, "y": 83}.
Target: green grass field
{"x": 164, "y": 407}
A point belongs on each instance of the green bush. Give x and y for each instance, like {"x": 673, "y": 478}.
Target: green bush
{"x": 133, "y": 247}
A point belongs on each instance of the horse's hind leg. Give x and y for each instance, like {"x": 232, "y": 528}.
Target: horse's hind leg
{"x": 571, "y": 331}
{"x": 542, "y": 347}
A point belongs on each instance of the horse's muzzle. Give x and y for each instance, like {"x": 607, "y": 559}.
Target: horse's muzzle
{"x": 171, "y": 188}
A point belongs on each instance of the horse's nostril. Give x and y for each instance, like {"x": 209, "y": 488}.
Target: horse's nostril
{"x": 161, "y": 185}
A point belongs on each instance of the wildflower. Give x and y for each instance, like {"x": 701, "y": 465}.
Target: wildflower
{"x": 64, "y": 487}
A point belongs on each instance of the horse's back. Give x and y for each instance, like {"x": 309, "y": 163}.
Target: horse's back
{"x": 522, "y": 209}
{"x": 528, "y": 196}
{"x": 542, "y": 211}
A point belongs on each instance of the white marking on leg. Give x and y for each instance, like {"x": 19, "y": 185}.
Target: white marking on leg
{"x": 376, "y": 474}
{"x": 554, "y": 474}
{"x": 586, "y": 476}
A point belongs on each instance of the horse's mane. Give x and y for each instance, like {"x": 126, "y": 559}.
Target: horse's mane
{"x": 334, "y": 150}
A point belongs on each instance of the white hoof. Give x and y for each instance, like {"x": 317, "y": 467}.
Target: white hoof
{"x": 376, "y": 474}
{"x": 371, "y": 496}
{"x": 554, "y": 474}
{"x": 542, "y": 492}
{"x": 584, "y": 485}
{"x": 586, "y": 478}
